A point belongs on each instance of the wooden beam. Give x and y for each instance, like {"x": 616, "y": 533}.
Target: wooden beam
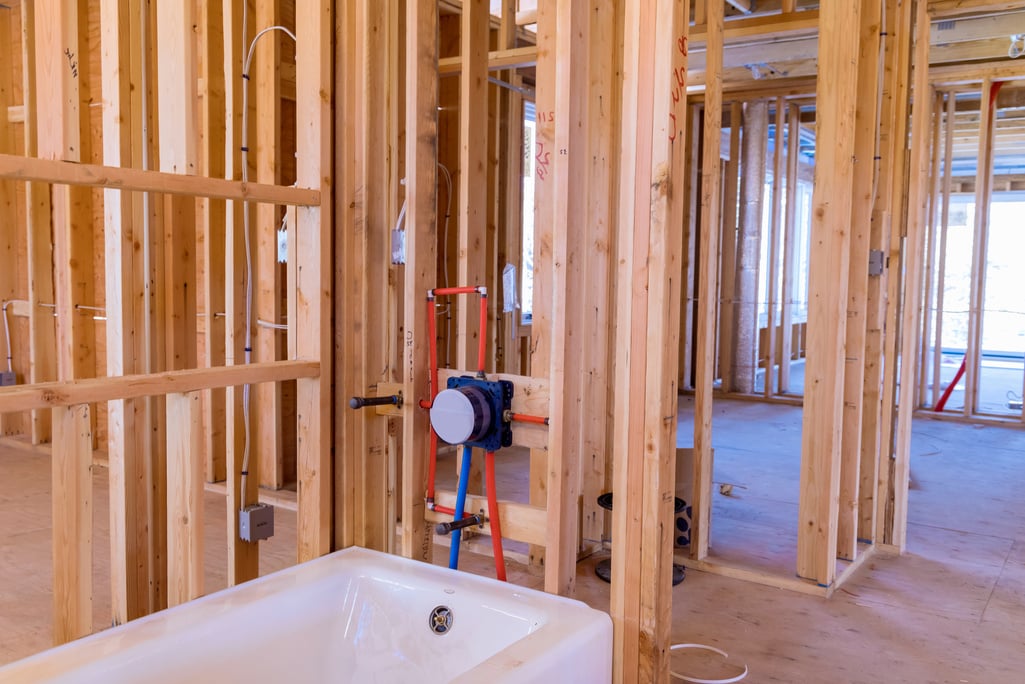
{"x": 648, "y": 250}
{"x": 828, "y": 286}
{"x": 764, "y": 27}
{"x": 865, "y": 168}
{"x": 497, "y": 60}
{"x": 706, "y": 316}
{"x": 185, "y": 506}
{"x": 95, "y": 390}
{"x": 521, "y": 522}
{"x": 138, "y": 180}
{"x": 72, "y": 504}
{"x": 946, "y": 9}
{"x": 421, "y": 263}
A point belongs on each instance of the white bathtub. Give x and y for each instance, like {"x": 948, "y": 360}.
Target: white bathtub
{"x": 352, "y": 616}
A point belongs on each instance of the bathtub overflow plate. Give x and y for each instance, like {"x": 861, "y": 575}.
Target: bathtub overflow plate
{"x": 440, "y": 620}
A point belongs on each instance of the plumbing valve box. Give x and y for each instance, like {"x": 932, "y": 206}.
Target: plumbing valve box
{"x": 474, "y": 412}
{"x": 256, "y": 522}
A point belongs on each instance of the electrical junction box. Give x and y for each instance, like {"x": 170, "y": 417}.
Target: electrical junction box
{"x": 256, "y": 523}
{"x": 473, "y": 412}
{"x": 8, "y": 379}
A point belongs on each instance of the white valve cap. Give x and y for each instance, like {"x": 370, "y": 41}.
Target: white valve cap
{"x": 452, "y": 416}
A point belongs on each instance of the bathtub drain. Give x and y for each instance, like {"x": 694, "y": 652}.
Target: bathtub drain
{"x": 440, "y": 620}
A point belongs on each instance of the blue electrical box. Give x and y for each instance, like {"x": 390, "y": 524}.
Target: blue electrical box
{"x": 497, "y": 399}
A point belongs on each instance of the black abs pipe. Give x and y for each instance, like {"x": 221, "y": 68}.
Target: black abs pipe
{"x": 468, "y": 521}
{"x": 360, "y": 402}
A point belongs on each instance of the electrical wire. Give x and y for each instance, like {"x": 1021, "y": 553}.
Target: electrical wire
{"x": 247, "y": 60}
{"x": 444, "y": 254}
{"x": 7, "y": 334}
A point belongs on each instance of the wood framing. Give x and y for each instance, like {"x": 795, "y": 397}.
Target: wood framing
{"x": 866, "y": 121}
{"x": 185, "y": 475}
{"x": 708, "y": 246}
{"x": 828, "y": 287}
{"x": 911, "y": 309}
{"x": 72, "y": 523}
{"x": 648, "y": 248}
{"x": 421, "y": 238}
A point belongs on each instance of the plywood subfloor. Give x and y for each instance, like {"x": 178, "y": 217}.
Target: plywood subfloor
{"x": 951, "y": 610}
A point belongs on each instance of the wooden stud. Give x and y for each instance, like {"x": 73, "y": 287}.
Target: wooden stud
{"x": 314, "y": 27}
{"x": 9, "y": 424}
{"x": 421, "y": 262}
{"x": 828, "y": 286}
{"x": 185, "y": 470}
{"x": 60, "y": 87}
{"x": 648, "y": 249}
{"x": 210, "y": 233}
{"x": 541, "y": 327}
{"x": 861, "y": 226}
{"x": 598, "y": 266}
{"x": 941, "y": 270}
{"x": 790, "y": 245}
{"x": 775, "y": 230}
{"x": 243, "y": 557}
{"x": 883, "y": 299}
{"x": 705, "y": 339}
{"x": 918, "y": 199}
{"x": 752, "y": 190}
{"x": 42, "y": 330}
{"x": 72, "y": 523}
{"x": 268, "y": 343}
{"x": 925, "y": 377}
{"x": 729, "y": 248}
{"x": 980, "y": 243}
{"x": 471, "y": 236}
{"x": 560, "y": 254}
{"x": 128, "y": 443}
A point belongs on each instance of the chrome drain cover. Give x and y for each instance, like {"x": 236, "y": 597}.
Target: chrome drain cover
{"x": 440, "y": 620}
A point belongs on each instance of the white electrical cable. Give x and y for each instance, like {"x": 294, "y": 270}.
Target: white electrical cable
{"x": 247, "y": 60}
{"x": 444, "y": 252}
{"x": 7, "y": 334}
{"x": 695, "y": 680}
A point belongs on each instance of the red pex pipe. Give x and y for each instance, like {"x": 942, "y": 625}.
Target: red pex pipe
{"x": 445, "y": 510}
{"x": 443, "y": 291}
{"x": 496, "y": 526}
{"x": 432, "y": 332}
{"x": 525, "y": 418}
{"x": 482, "y": 349}
{"x": 950, "y": 388}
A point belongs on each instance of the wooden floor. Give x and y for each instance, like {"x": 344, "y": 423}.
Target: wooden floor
{"x": 951, "y": 610}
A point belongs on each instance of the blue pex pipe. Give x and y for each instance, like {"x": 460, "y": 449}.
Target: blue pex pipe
{"x": 464, "y": 480}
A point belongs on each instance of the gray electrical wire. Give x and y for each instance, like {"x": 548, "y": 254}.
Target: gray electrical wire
{"x": 247, "y": 60}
